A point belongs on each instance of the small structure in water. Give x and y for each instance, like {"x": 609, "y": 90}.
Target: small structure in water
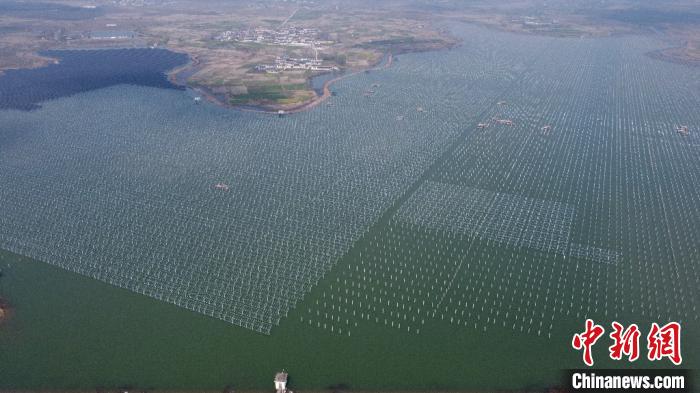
{"x": 281, "y": 382}
{"x": 507, "y": 122}
{"x": 221, "y": 186}
{"x": 197, "y": 100}
{"x": 4, "y": 309}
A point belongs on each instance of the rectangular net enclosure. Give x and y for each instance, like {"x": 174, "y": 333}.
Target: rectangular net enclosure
{"x": 509, "y": 219}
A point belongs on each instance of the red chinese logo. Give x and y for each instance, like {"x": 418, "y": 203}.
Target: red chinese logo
{"x": 662, "y": 342}
{"x": 626, "y": 342}
{"x": 586, "y": 340}
{"x": 665, "y": 342}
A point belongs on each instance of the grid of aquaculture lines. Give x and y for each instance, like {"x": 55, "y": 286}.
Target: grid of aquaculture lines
{"x": 572, "y": 193}
{"x": 229, "y": 214}
{"x": 512, "y": 182}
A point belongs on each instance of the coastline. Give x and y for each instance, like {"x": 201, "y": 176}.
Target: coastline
{"x": 179, "y": 75}
{"x": 675, "y": 55}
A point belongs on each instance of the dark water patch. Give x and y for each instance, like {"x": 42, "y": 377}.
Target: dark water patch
{"x": 33, "y": 10}
{"x": 84, "y": 70}
{"x": 318, "y": 81}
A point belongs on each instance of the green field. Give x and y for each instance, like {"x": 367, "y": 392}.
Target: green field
{"x": 267, "y": 93}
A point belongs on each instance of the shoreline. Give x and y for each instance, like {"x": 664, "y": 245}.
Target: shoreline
{"x": 175, "y": 77}
{"x": 674, "y": 55}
